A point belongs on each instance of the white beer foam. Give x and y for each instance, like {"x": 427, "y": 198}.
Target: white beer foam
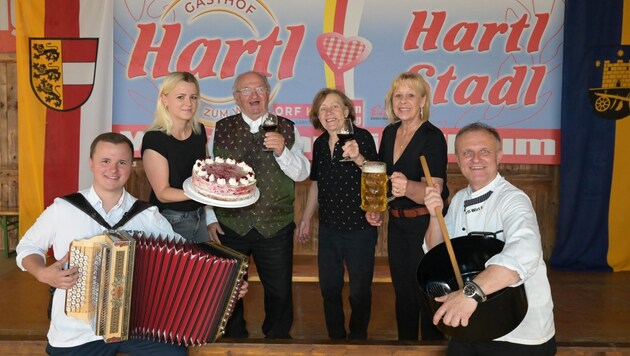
{"x": 368, "y": 168}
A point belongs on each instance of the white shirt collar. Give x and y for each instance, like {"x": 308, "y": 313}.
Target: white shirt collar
{"x": 484, "y": 190}
{"x": 254, "y": 125}
{"x": 96, "y": 201}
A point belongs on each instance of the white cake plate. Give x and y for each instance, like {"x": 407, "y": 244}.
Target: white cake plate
{"x": 192, "y": 194}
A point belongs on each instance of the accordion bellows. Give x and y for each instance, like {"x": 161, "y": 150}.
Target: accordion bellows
{"x": 137, "y": 286}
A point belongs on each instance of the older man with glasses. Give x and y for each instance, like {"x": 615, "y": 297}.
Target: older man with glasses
{"x": 264, "y": 229}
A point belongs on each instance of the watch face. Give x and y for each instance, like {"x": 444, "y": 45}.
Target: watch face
{"x": 469, "y": 290}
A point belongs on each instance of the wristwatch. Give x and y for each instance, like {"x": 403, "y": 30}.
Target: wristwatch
{"x": 472, "y": 290}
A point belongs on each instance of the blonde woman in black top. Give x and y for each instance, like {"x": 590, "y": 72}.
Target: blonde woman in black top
{"x": 409, "y": 136}
{"x": 170, "y": 147}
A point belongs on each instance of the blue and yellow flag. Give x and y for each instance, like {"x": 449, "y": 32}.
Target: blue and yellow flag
{"x": 594, "y": 219}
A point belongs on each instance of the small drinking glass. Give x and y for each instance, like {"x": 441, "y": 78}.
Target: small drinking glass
{"x": 345, "y": 133}
{"x": 269, "y": 124}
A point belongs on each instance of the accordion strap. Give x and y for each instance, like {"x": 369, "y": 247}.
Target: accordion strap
{"x": 79, "y": 201}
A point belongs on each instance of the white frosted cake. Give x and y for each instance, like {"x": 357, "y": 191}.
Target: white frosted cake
{"x": 223, "y": 179}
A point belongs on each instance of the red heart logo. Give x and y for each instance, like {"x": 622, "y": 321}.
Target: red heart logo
{"x": 341, "y": 53}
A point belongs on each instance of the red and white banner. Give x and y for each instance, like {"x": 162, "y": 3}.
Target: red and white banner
{"x": 7, "y": 26}
{"x": 500, "y": 63}
{"x": 64, "y": 51}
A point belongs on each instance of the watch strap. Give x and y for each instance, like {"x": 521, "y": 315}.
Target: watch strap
{"x": 479, "y": 294}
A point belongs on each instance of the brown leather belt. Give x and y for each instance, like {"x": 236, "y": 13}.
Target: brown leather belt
{"x": 409, "y": 212}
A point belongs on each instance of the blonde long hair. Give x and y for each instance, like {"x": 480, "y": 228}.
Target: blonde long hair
{"x": 417, "y": 82}
{"x": 163, "y": 121}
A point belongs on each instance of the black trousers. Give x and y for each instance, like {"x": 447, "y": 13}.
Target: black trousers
{"x": 274, "y": 262}
{"x": 404, "y": 245}
{"x": 356, "y": 250}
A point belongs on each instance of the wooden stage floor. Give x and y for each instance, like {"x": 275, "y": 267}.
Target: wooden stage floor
{"x": 590, "y": 309}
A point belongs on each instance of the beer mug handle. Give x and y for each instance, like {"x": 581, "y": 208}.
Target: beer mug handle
{"x": 389, "y": 183}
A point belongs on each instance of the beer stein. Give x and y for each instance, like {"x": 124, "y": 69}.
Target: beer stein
{"x": 374, "y": 186}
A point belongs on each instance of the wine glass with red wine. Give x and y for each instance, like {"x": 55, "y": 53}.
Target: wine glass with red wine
{"x": 345, "y": 133}
{"x": 270, "y": 123}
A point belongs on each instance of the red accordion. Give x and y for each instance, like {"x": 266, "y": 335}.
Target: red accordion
{"x": 137, "y": 286}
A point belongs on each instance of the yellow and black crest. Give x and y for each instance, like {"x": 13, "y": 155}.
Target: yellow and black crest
{"x": 63, "y": 70}
{"x": 609, "y": 90}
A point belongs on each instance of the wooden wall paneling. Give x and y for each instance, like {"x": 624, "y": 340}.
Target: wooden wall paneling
{"x": 8, "y": 187}
{"x": 8, "y": 111}
{"x": 381, "y": 245}
{"x": 8, "y": 131}
{"x": 4, "y": 122}
{"x": 138, "y": 184}
{"x": 8, "y": 135}
{"x": 12, "y": 115}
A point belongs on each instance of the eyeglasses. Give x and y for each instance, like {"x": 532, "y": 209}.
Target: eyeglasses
{"x": 250, "y": 91}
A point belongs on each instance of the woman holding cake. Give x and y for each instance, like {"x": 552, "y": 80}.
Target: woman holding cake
{"x": 345, "y": 236}
{"x": 170, "y": 148}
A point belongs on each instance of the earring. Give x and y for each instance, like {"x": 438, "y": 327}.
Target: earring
{"x": 421, "y": 113}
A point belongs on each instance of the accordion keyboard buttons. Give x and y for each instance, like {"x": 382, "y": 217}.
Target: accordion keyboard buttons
{"x": 76, "y": 294}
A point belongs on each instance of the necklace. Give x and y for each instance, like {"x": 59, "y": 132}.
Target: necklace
{"x": 406, "y": 136}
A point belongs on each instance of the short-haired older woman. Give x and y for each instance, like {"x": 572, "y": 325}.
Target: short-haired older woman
{"x": 344, "y": 234}
{"x": 409, "y": 136}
